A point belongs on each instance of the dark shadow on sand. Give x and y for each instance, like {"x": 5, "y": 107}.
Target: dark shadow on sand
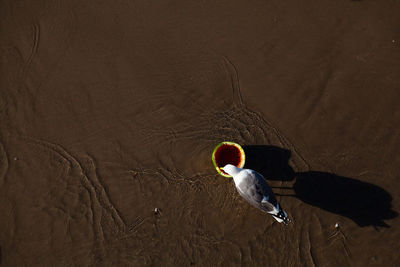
{"x": 270, "y": 161}
{"x": 366, "y": 204}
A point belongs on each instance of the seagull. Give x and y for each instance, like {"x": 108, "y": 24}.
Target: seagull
{"x": 253, "y": 187}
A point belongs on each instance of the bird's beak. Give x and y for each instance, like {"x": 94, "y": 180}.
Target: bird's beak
{"x": 222, "y": 169}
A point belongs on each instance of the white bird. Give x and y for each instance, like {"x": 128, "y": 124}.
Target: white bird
{"x": 253, "y": 187}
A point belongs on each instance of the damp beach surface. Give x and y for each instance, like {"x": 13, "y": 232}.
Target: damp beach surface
{"x": 110, "y": 113}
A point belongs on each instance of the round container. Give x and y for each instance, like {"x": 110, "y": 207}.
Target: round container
{"x": 228, "y": 153}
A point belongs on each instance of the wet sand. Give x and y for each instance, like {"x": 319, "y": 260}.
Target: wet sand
{"x": 110, "y": 110}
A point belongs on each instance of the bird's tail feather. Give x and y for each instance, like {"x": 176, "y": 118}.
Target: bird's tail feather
{"x": 281, "y": 216}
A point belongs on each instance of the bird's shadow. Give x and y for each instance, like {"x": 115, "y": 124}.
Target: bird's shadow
{"x": 366, "y": 204}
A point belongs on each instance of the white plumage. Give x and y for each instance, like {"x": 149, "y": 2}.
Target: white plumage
{"x": 253, "y": 187}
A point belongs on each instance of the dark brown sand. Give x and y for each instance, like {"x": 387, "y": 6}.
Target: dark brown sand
{"x": 110, "y": 109}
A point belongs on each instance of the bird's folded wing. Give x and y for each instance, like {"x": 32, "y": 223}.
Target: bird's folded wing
{"x": 257, "y": 192}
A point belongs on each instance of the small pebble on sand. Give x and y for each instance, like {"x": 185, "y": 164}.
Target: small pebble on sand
{"x": 157, "y": 211}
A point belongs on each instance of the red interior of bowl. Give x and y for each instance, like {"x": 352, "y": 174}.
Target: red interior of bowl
{"x": 227, "y": 154}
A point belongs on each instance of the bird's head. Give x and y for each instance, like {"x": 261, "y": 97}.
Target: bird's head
{"x": 231, "y": 169}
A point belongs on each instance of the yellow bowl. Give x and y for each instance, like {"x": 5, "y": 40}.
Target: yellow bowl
{"x": 228, "y": 153}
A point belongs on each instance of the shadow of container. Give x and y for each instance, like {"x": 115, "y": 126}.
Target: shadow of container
{"x": 271, "y": 161}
